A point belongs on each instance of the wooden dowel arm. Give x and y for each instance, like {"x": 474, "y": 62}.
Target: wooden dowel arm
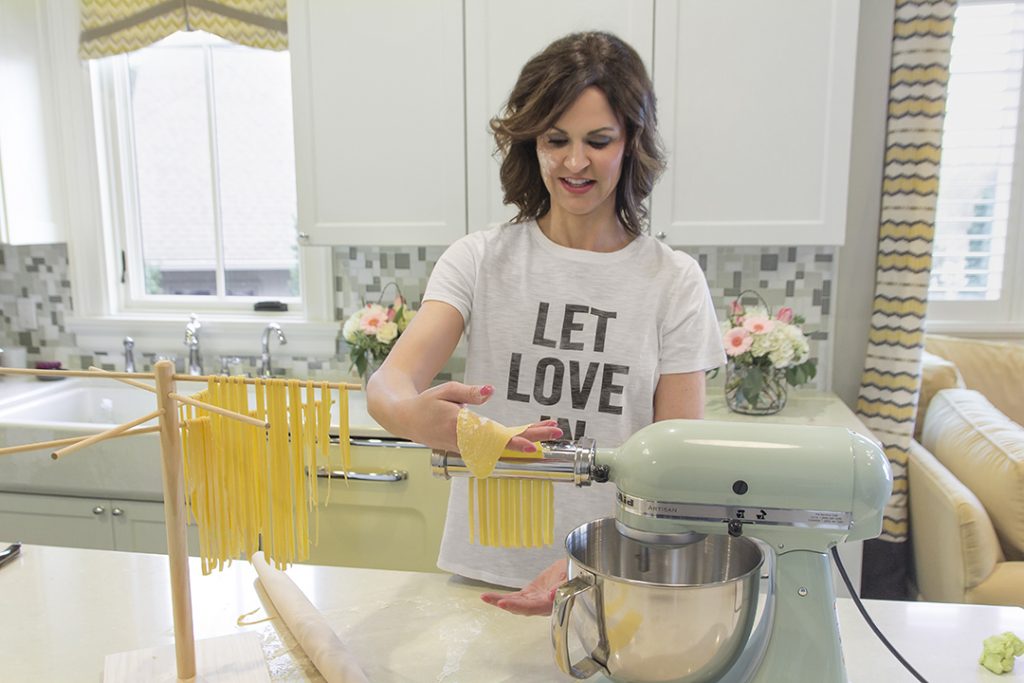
{"x": 41, "y": 445}
{"x": 145, "y": 375}
{"x": 132, "y": 382}
{"x": 221, "y": 411}
{"x": 102, "y": 436}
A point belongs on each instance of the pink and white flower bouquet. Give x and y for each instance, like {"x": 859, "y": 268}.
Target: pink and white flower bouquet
{"x": 372, "y": 331}
{"x": 763, "y": 349}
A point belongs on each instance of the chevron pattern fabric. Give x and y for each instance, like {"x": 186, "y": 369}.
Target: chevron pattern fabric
{"x": 110, "y": 27}
{"x": 922, "y": 36}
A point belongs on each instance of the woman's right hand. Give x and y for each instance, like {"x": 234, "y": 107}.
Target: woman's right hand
{"x": 432, "y": 417}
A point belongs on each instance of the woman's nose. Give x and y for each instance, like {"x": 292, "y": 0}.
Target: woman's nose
{"x": 576, "y": 160}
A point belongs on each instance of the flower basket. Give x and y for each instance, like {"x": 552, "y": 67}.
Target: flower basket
{"x": 766, "y": 355}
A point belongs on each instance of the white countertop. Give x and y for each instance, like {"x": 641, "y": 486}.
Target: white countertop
{"x": 64, "y": 609}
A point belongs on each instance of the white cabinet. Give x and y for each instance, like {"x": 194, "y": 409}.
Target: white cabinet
{"x": 379, "y": 130}
{"x": 500, "y": 37}
{"x": 31, "y": 210}
{"x": 101, "y": 523}
{"x": 755, "y": 104}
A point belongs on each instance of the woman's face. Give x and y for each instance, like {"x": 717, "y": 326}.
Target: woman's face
{"x": 581, "y": 156}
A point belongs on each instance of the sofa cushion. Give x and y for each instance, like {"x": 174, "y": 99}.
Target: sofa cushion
{"x": 937, "y": 374}
{"x": 996, "y": 369}
{"x": 984, "y": 449}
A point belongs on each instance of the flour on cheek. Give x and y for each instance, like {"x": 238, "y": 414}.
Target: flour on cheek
{"x": 548, "y": 163}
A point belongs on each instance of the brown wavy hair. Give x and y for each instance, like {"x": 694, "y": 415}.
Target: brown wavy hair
{"x": 548, "y": 85}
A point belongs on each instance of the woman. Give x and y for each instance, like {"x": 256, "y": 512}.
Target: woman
{"x": 577, "y": 323}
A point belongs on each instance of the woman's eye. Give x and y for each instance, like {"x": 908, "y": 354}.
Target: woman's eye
{"x": 557, "y": 142}
{"x": 600, "y": 144}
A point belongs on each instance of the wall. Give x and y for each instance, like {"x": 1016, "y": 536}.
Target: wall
{"x": 801, "y": 277}
{"x": 856, "y": 272}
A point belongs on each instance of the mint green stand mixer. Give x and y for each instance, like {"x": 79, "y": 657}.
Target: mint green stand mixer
{"x": 690, "y": 496}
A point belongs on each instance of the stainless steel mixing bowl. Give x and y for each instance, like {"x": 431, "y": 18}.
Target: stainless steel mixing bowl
{"x": 648, "y": 613}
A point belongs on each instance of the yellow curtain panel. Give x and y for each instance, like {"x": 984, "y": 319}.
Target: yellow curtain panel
{"x": 110, "y": 27}
{"x": 922, "y": 36}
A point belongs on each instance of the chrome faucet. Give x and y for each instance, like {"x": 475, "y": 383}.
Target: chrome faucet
{"x": 195, "y": 361}
{"x": 129, "y": 358}
{"x": 265, "y": 347}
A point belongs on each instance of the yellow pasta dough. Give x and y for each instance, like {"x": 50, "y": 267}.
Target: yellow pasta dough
{"x": 511, "y": 513}
{"x": 246, "y": 486}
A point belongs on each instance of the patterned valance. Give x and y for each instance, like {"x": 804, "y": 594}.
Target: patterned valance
{"x": 111, "y": 27}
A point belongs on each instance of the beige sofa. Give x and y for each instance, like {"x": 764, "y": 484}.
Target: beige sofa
{"x": 966, "y": 473}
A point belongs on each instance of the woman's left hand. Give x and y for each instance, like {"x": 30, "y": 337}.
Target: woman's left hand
{"x": 536, "y": 599}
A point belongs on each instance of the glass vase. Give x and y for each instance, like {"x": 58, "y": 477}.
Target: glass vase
{"x": 372, "y": 365}
{"x": 753, "y": 390}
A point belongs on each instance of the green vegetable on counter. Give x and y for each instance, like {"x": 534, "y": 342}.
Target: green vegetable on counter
{"x": 999, "y": 651}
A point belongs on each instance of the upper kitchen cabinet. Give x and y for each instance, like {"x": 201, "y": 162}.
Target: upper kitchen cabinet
{"x": 500, "y": 37}
{"x": 755, "y": 106}
{"x": 31, "y": 208}
{"x": 379, "y": 125}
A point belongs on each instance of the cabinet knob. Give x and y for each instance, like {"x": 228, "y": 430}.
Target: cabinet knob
{"x": 117, "y": 512}
{"x": 98, "y": 510}
{"x": 661, "y": 235}
{"x": 303, "y": 236}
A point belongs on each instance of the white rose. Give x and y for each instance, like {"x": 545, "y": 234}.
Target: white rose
{"x": 351, "y": 326}
{"x": 387, "y": 332}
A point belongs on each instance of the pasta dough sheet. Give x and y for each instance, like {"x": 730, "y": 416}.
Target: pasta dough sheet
{"x": 482, "y": 441}
{"x": 315, "y": 636}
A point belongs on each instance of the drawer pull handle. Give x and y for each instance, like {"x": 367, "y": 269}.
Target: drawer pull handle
{"x": 390, "y": 476}
{"x": 98, "y": 510}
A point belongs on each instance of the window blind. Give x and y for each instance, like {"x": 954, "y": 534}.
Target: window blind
{"x": 978, "y": 191}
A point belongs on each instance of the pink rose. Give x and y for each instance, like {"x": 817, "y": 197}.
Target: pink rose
{"x": 785, "y": 315}
{"x": 758, "y": 324}
{"x": 736, "y": 308}
{"x": 737, "y": 341}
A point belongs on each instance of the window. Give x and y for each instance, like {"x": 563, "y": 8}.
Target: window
{"x": 197, "y": 146}
{"x": 978, "y": 264}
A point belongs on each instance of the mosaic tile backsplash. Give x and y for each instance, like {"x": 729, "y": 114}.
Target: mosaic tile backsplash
{"x": 35, "y": 279}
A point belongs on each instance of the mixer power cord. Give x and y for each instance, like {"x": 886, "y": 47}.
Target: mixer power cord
{"x": 867, "y": 618}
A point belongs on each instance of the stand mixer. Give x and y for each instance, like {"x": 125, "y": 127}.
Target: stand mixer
{"x": 682, "y": 483}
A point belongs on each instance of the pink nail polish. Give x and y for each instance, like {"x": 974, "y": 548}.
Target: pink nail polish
{"x": 531, "y": 448}
{"x": 486, "y": 390}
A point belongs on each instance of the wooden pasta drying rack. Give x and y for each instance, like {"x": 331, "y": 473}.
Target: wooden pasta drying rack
{"x": 236, "y": 657}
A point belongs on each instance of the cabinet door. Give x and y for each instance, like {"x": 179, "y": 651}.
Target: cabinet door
{"x": 500, "y": 37}
{"x": 30, "y": 210}
{"x": 755, "y": 104}
{"x": 56, "y": 520}
{"x": 379, "y": 145}
{"x": 383, "y": 524}
{"x": 139, "y": 527}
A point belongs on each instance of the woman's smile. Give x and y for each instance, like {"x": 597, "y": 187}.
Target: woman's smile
{"x": 577, "y": 185}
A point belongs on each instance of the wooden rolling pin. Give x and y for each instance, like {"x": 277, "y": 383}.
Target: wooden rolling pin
{"x": 314, "y": 635}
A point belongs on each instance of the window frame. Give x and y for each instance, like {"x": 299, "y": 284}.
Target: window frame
{"x": 1005, "y": 316}
{"x": 98, "y": 319}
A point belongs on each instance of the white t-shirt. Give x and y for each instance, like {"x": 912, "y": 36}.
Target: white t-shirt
{"x": 573, "y": 335}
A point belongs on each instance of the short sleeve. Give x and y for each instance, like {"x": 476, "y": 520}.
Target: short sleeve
{"x": 454, "y": 278}
{"x": 690, "y": 335}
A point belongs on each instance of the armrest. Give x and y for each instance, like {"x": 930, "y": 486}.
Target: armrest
{"x": 955, "y": 545}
